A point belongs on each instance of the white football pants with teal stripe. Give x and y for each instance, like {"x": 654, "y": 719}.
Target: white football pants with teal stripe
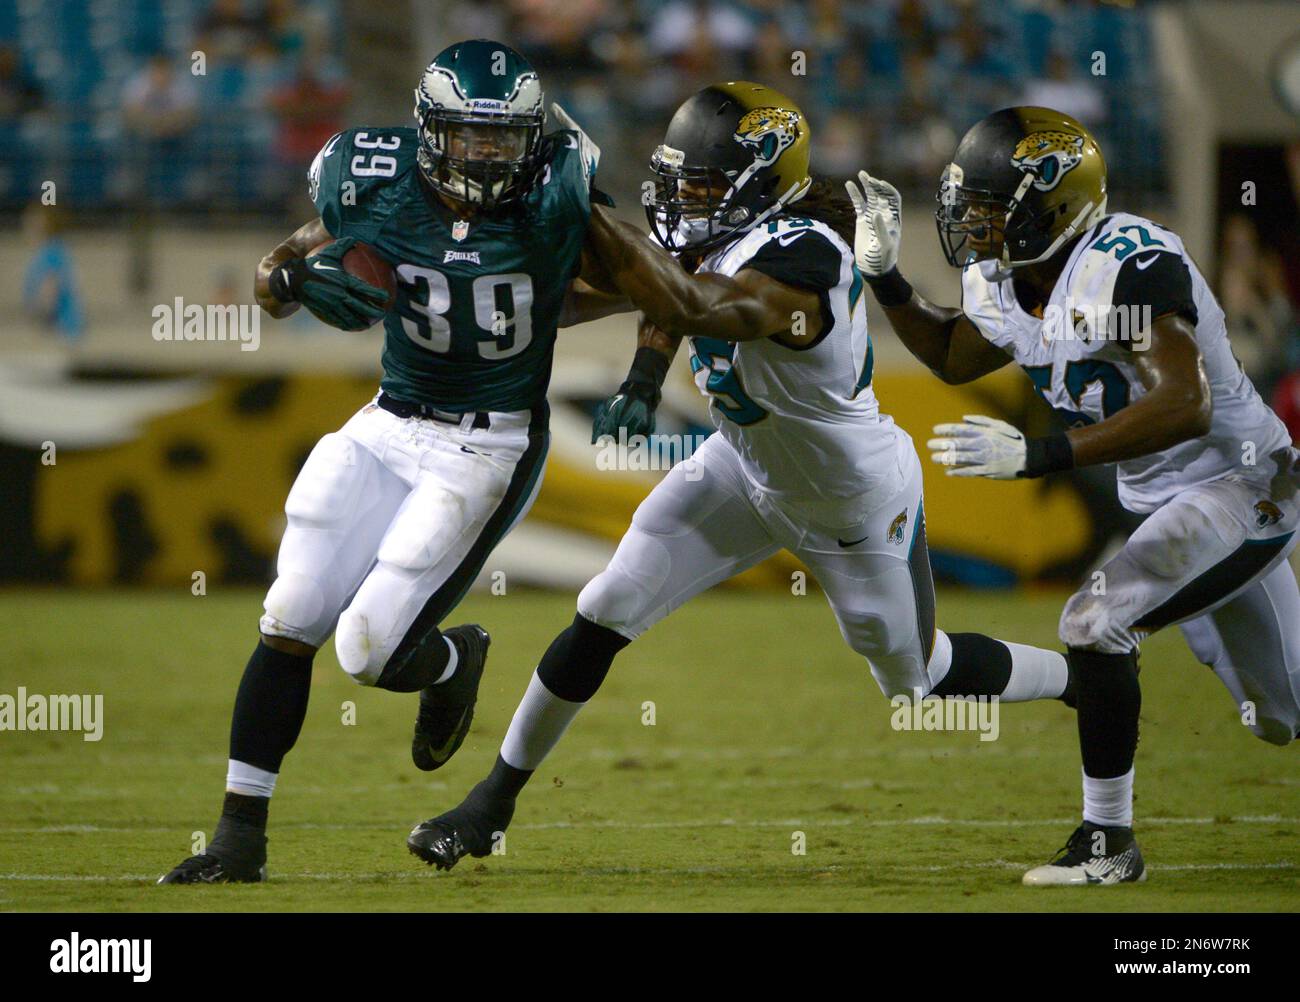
{"x": 707, "y": 521}
{"x": 389, "y": 522}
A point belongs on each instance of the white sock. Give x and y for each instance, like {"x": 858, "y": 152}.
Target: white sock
{"x": 940, "y": 659}
{"x": 537, "y": 727}
{"x": 452, "y": 662}
{"x": 1109, "y": 801}
{"x": 1035, "y": 674}
{"x": 249, "y": 779}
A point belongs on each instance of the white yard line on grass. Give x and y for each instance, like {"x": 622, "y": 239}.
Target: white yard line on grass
{"x": 837, "y": 822}
{"x": 424, "y": 874}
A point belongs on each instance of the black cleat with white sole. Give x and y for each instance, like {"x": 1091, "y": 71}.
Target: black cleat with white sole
{"x": 447, "y": 710}
{"x": 471, "y": 829}
{"x": 1094, "y": 856}
{"x": 208, "y": 869}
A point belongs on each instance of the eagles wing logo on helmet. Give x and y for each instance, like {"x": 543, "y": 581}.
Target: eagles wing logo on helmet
{"x": 769, "y": 132}
{"x": 1049, "y": 156}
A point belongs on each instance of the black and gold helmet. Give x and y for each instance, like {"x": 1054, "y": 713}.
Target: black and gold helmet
{"x": 734, "y": 154}
{"x": 1022, "y": 183}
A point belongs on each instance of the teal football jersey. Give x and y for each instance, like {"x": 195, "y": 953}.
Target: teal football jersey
{"x": 478, "y": 302}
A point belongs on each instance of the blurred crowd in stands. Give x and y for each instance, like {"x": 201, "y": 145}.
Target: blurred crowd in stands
{"x": 208, "y": 104}
{"x": 105, "y": 94}
{"x": 889, "y": 83}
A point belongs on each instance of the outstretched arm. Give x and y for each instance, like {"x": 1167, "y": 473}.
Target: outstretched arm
{"x": 1176, "y": 407}
{"x": 592, "y": 295}
{"x": 745, "y": 307}
{"x": 943, "y": 338}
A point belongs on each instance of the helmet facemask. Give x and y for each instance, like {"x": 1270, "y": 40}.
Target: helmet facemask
{"x": 976, "y": 224}
{"x": 488, "y": 160}
{"x": 691, "y": 206}
{"x": 695, "y": 209}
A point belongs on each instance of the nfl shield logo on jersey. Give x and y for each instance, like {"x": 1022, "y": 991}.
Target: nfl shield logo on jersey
{"x": 459, "y": 230}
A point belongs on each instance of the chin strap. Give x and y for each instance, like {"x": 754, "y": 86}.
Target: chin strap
{"x": 1086, "y": 217}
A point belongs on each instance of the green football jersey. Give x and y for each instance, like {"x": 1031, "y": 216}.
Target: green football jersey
{"x": 478, "y": 301}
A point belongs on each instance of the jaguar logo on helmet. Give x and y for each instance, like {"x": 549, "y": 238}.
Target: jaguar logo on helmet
{"x": 1049, "y": 156}
{"x": 768, "y": 132}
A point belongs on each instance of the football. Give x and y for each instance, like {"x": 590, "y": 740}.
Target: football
{"x": 363, "y": 262}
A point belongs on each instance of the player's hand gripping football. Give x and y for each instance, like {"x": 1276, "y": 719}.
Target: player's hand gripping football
{"x": 880, "y": 224}
{"x": 321, "y": 284}
{"x": 979, "y": 447}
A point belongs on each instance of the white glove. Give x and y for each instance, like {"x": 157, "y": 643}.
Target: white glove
{"x": 880, "y": 224}
{"x": 588, "y": 150}
{"x": 979, "y": 447}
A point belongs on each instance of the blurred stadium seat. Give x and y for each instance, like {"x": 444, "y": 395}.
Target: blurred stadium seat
{"x": 910, "y": 76}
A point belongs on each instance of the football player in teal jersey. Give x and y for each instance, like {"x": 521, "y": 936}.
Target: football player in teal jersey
{"x": 483, "y": 218}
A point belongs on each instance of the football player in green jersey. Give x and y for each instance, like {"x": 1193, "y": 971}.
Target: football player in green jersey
{"x": 483, "y": 218}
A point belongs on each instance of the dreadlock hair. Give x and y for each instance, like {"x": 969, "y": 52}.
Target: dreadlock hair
{"x": 827, "y": 202}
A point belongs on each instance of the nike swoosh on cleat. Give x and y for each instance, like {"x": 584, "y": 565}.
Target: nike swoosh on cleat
{"x": 440, "y": 755}
{"x": 324, "y": 267}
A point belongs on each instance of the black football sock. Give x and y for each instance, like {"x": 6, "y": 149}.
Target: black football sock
{"x": 503, "y": 783}
{"x": 416, "y": 666}
{"x": 578, "y": 660}
{"x": 270, "y": 707}
{"x": 240, "y": 837}
{"x": 986, "y": 666}
{"x": 1109, "y": 700}
{"x": 981, "y": 666}
{"x": 569, "y": 674}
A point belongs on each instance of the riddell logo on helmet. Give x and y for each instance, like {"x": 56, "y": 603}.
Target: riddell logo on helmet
{"x": 1049, "y": 156}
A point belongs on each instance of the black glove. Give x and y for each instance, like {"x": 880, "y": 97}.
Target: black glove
{"x": 633, "y": 406}
{"x": 330, "y": 293}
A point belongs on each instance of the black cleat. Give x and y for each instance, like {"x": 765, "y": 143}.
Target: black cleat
{"x": 472, "y": 829}
{"x": 1094, "y": 855}
{"x": 207, "y": 869}
{"x": 447, "y": 710}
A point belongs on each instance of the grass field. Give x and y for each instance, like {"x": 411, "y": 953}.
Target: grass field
{"x": 765, "y": 725}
